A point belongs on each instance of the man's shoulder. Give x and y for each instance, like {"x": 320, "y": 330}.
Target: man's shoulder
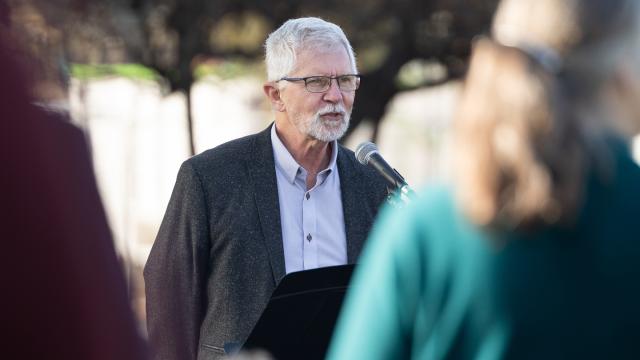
{"x": 236, "y": 148}
{"x": 231, "y": 152}
{"x": 227, "y": 162}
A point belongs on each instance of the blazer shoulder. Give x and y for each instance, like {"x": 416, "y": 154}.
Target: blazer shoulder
{"x": 233, "y": 162}
{"x": 228, "y": 157}
{"x": 234, "y": 149}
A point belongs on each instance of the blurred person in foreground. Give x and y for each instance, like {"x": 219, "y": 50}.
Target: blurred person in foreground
{"x": 534, "y": 252}
{"x": 64, "y": 295}
{"x": 244, "y": 214}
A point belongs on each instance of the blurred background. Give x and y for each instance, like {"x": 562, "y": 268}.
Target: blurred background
{"x": 152, "y": 82}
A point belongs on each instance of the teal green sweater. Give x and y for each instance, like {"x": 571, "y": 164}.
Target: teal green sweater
{"x": 432, "y": 286}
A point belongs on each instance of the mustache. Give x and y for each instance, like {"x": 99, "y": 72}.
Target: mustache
{"x": 337, "y": 108}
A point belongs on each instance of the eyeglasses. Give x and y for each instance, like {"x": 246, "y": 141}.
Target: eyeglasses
{"x": 318, "y": 84}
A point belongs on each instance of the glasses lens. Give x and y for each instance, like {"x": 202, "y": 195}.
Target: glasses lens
{"x": 348, "y": 82}
{"x": 317, "y": 83}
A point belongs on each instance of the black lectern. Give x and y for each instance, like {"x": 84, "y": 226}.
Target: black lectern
{"x": 299, "y": 319}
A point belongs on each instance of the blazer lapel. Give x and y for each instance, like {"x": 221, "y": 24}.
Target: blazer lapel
{"x": 352, "y": 207}
{"x": 263, "y": 176}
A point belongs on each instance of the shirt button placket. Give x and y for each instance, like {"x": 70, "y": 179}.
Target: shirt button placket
{"x": 309, "y": 227}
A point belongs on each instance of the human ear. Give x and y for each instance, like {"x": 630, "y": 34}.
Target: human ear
{"x": 273, "y": 94}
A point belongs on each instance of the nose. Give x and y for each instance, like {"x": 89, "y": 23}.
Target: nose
{"x": 333, "y": 93}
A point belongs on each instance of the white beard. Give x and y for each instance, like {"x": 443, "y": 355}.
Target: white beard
{"x": 323, "y": 130}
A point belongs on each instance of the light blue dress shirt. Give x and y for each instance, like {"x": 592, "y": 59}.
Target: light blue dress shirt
{"x": 313, "y": 233}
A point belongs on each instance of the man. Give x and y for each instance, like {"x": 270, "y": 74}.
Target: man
{"x": 245, "y": 213}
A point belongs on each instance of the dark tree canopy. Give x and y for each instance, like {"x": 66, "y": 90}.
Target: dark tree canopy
{"x": 174, "y": 36}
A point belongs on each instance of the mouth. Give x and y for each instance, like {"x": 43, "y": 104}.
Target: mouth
{"x": 332, "y": 116}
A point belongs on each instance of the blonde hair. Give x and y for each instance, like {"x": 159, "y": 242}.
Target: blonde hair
{"x": 523, "y": 144}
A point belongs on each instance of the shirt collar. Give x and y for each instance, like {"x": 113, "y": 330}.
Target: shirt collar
{"x": 288, "y": 165}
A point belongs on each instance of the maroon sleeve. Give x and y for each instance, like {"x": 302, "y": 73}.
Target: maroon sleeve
{"x": 64, "y": 295}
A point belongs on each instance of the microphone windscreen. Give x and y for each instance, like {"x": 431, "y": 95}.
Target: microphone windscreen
{"x": 364, "y": 152}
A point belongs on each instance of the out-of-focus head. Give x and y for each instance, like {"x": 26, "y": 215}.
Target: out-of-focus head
{"x": 588, "y": 41}
{"x": 38, "y": 45}
{"x": 564, "y": 25}
{"x": 284, "y": 45}
{"x": 556, "y": 78}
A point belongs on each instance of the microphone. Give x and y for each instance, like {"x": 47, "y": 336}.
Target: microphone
{"x": 367, "y": 154}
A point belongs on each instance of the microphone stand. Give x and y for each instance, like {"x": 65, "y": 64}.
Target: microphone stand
{"x": 401, "y": 194}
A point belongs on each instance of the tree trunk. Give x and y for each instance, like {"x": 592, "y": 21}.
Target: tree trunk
{"x": 192, "y": 148}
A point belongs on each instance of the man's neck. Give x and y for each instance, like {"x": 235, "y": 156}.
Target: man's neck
{"x": 312, "y": 154}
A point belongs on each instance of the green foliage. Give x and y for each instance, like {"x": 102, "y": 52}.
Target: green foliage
{"x": 417, "y": 73}
{"x": 223, "y": 69}
{"x": 228, "y": 69}
{"x": 131, "y": 71}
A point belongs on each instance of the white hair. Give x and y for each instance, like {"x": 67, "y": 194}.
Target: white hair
{"x": 296, "y": 35}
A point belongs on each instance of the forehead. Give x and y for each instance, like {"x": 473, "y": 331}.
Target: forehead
{"x": 326, "y": 61}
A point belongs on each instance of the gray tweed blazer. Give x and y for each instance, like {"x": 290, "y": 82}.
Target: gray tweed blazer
{"x": 218, "y": 255}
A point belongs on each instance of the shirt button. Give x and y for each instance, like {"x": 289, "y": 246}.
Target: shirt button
{"x": 308, "y": 196}
{"x": 309, "y": 237}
